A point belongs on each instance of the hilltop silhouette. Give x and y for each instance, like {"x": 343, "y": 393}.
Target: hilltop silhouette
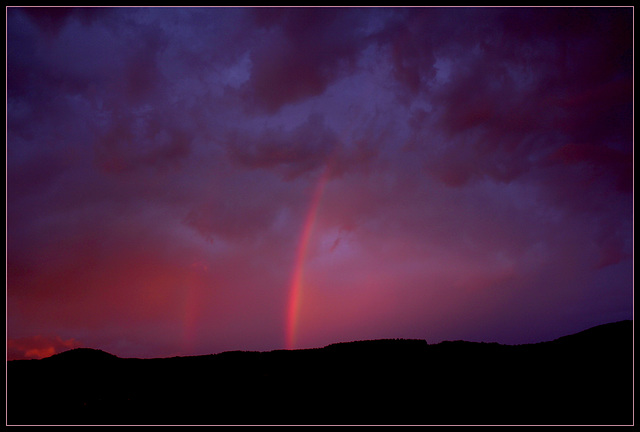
{"x": 586, "y": 378}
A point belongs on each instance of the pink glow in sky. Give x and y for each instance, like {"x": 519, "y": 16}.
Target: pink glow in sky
{"x": 186, "y": 181}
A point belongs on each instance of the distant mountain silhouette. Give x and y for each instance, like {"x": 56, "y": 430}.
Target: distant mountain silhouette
{"x": 586, "y": 378}
{"x": 82, "y": 355}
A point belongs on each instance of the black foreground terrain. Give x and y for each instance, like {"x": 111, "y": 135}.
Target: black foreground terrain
{"x": 583, "y": 379}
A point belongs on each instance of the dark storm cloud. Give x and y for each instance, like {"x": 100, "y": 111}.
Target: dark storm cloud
{"x": 51, "y": 19}
{"x": 60, "y": 60}
{"x": 523, "y": 91}
{"x": 469, "y": 165}
{"x": 301, "y": 51}
{"x": 295, "y": 152}
{"x": 138, "y": 141}
{"x": 237, "y": 207}
{"x": 599, "y": 162}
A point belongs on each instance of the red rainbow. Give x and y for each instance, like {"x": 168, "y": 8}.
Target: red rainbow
{"x": 295, "y": 286}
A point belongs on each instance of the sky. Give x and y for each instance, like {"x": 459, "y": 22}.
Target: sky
{"x": 187, "y": 181}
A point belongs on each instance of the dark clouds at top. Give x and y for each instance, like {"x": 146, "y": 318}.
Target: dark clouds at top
{"x": 161, "y": 162}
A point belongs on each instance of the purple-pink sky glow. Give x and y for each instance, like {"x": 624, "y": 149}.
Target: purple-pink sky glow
{"x": 163, "y": 169}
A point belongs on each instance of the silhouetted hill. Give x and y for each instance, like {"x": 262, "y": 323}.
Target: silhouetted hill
{"x": 82, "y": 355}
{"x": 586, "y": 378}
{"x": 603, "y": 335}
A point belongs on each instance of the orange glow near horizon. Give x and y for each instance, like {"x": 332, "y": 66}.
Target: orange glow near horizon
{"x": 37, "y": 347}
{"x": 38, "y": 353}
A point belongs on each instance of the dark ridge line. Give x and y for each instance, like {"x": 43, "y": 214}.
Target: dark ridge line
{"x": 368, "y": 343}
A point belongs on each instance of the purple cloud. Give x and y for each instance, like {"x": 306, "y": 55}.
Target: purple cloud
{"x": 445, "y": 173}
